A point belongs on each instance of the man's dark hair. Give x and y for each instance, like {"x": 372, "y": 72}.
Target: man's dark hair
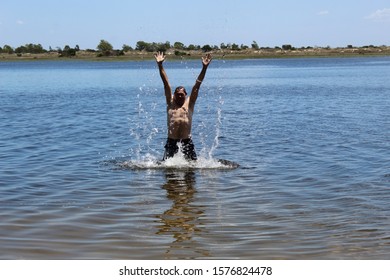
{"x": 179, "y": 88}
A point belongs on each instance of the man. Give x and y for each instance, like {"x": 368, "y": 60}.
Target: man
{"x": 179, "y": 111}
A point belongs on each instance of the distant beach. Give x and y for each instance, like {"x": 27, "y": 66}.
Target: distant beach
{"x": 249, "y": 53}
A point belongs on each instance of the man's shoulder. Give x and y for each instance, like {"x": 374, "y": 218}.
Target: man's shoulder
{"x": 170, "y": 105}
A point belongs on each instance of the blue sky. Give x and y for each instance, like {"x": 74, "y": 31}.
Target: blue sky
{"x": 271, "y": 23}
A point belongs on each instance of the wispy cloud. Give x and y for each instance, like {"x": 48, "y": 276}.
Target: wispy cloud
{"x": 323, "y": 13}
{"x": 20, "y": 22}
{"x": 379, "y": 15}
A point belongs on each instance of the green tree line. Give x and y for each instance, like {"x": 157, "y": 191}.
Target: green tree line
{"x": 104, "y": 48}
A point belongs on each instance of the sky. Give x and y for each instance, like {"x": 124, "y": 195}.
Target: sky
{"x": 334, "y": 23}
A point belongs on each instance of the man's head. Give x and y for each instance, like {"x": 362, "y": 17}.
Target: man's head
{"x": 179, "y": 96}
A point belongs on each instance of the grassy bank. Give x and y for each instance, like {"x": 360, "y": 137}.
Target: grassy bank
{"x": 218, "y": 54}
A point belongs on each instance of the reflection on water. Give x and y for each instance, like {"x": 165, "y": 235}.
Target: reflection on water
{"x": 182, "y": 220}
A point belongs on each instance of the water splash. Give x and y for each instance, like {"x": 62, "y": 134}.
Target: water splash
{"x": 211, "y": 125}
{"x": 217, "y": 129}
{"x": 178, "y": 162}
{"x": 143, "y": 126}
{"x": 148, "y": 131}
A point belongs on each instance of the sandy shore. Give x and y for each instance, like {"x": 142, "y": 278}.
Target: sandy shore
{"x": 221, "y": 54}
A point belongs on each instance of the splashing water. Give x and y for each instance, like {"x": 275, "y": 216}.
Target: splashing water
{"x": 143, "y": 125}
{"x": 218, "y": 124}
{"x": 148, "y": 129}
{"x": 177, "y": 162}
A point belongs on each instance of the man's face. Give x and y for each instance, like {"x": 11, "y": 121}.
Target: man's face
{"x": 180, "y": 97}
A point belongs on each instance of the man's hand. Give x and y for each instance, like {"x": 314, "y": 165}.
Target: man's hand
{"x": 206, "y": 59}
{"x": 160, "y": 57}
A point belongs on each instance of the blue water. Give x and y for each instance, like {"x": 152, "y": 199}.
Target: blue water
{"x": 311, "y": 137}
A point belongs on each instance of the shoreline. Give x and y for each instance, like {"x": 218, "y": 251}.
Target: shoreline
{"x": 173, "y": 54}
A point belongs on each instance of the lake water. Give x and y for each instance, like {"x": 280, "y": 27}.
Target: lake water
{"x": 79, "y": 141}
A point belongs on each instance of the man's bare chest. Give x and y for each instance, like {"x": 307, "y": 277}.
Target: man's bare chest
{"x": 181, "y": 113}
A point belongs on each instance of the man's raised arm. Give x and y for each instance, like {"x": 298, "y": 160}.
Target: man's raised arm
{"x": 160, "y": 57}
{"x": 194, "y": 93}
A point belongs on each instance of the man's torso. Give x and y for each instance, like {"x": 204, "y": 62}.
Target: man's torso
{"x": 179, "y": 121}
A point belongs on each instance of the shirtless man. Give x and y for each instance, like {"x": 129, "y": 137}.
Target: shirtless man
{"x": 179, "y": 111}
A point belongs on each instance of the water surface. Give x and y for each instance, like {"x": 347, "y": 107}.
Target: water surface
{"x": 311, "y": 137}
